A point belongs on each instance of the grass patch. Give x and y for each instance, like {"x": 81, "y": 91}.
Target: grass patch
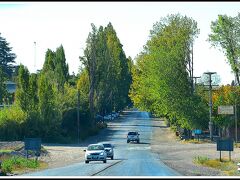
{"x": 5, "y": 151}
{"x": 237, "y": 145}
{"x": 229, "y": 168}
{"x": 14, "y": 163}
{"x": 195, "y": 141}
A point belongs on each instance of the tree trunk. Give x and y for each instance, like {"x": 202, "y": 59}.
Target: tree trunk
{"x": 228, "y": 132}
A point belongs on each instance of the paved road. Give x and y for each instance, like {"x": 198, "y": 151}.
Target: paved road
{"x": 131, "y": 159}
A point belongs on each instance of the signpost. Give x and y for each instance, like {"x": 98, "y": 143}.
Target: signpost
{"x": 197, "y": 132}
{"x": 225, "y": 110}
{"x": 225, "y": 145}
{"x": 230, "y": 110}
{"x": 33, "y": 144}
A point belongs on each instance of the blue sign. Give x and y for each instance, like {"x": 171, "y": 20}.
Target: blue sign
{"x": 225, "y": 145}
{"x": 32, "y": 144}
{"x": 197, "y": 131}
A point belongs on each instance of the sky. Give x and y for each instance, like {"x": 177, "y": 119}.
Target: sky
{"x": 51, "y": 24}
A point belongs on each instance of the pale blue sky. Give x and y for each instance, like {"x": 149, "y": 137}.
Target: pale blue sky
{"x": 51, "y": 24}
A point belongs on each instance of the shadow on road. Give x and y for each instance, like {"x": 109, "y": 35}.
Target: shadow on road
{"x": 137, "y": 125}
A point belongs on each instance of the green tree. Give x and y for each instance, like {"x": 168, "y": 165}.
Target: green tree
{"x": 89, "y": 60}
{"x": 22, "y": 91}
{"x": 50, "y": 115}
{"x": 225, "y": 35}
{"x": 56, "y": 68}
{"x": 7, "y": 58}
{"x": 3, "y": 90}
{"x": 61, "y": 68}
{"x": 161, "y": 80}
{"x": 119, "y": 71}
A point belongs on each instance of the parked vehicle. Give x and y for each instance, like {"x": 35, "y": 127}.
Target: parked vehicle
{"x": 133, "y": 136}
{"x": 107, "y": 117}
{"x": 95, "y": 152}
{"x": 99, "y": 118}
{"x": 108, "y": 147}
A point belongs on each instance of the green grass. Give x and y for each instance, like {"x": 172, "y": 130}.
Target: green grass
{"x": 5, "y": 151}
{"x": 229, "y": 168}
{"x": 13, "y": 163}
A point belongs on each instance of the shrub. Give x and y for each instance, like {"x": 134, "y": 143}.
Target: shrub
{"x": 15, "y": 162}
{"x": 11, "y": 120}
{"x": 201, "y": 159}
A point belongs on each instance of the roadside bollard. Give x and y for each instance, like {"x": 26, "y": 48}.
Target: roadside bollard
{"x": 238, "y": 164}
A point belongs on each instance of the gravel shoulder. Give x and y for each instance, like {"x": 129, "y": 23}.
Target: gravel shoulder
{"x": 179, "y": 155}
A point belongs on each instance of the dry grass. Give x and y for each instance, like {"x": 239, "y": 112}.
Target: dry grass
{"x": 229, "y": 168}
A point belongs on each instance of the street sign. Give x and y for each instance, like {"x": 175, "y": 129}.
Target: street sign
{"x": 32, "y": 144}
{"x": 225, "y": 145}
{"x": 225, "y": 110}
{"x": 197, "y": 131}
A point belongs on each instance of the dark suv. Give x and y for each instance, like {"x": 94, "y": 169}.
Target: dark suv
{"x": 133, "y": 136}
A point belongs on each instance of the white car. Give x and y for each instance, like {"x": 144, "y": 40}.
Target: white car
{"x": 133, "y": 136}
{"x": 95, "y": 152}
{"x": 109, "y": 149}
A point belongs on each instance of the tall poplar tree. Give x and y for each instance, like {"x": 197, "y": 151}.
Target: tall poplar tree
{"x": 226, "y": 36}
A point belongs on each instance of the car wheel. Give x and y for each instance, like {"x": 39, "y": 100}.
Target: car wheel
{"x": 138, "y": 141}
{"x": 104, "y": 161}
{"x": 127, "y": 141}
{"x": 112, "y": 158}
{"x": 86, "y": 161}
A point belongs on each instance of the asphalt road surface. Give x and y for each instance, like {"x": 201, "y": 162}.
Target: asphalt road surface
{"x": 130, "y": 159}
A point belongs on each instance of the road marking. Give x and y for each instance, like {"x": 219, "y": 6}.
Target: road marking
{"x": 139, "y": 148}
{"x": 106, "y": 168}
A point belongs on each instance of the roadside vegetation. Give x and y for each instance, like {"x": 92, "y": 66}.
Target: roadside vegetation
{"x": 229, "y": 168}
{"x": 13, "y": 160}
{"x": 161, "y": 81}
{"x": 46, "y": 102}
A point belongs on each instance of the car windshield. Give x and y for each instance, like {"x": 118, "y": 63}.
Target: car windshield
{"x": 132, "y": 133}
{"x": 107, "y": 145}
{"x": 95, "y": 147}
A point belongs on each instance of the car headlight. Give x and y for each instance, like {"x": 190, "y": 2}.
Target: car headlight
{"x": 101, "y": 154}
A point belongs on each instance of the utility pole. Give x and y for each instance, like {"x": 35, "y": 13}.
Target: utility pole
{"x": 78, "y": 107}
{"x": 195, "y": 82}
{"x": 235, "y": 108}
{"x": 210, "y": 103}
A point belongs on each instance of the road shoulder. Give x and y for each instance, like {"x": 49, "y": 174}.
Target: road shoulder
{"x": 179, "y": 156}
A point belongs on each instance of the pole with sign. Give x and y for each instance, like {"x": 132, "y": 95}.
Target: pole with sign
{"x": 229, "y": 110}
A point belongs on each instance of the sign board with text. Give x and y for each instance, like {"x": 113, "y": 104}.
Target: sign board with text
{"x": 225, "y": 110}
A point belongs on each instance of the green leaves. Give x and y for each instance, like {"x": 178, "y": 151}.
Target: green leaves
{"x": 161, "y": 83}
{"x": 108, "y": 70}
{"x": 226, "y": 36}
{"x": 7, "y": 58}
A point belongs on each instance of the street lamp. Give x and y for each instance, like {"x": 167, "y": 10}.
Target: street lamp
{"x": 209, "y": 83}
